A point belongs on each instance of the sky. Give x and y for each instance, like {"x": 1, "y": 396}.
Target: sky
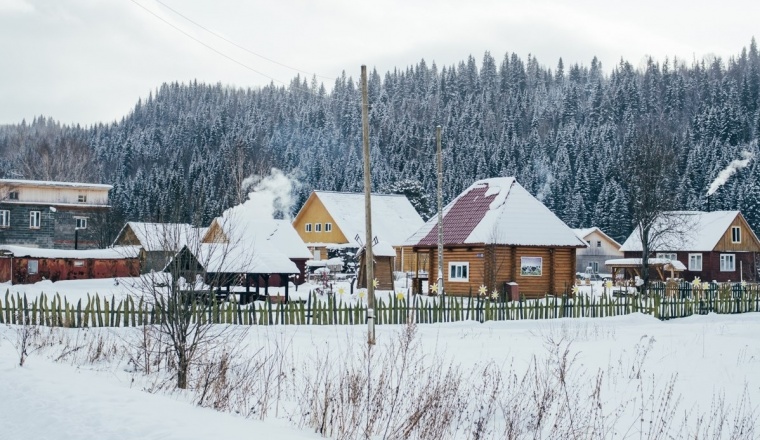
{"x": 89, "y": 61}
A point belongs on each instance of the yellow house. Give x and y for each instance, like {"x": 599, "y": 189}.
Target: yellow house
{"x": 337, "y": 219}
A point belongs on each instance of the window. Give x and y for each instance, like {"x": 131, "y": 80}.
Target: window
{"x": 32, "y": 267}
{"x": 308, "y": 227}
{"x": 328, "y": 227}
{"x": 13, "y": 195}
{"x": 531, "y": 266}
{"x": 595, "y": 266}
{"x": 82, "y": 198}
{"x": 598, "y": 243}
{"x": 695, "y": 262}
{"x": 736, "y": 234}
{"x": 459, "y": 271}
{"x": 34, "y": 219}
{"x": 81, "y": 222}
{"x": 78, "y": 263}
{"x": 667, "y": 255}
{"x": 727, "y": 263}
{"x": 317, "y": 227}
{"x": 5, "y": 219}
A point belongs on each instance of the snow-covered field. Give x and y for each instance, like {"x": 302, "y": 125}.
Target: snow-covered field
{"x": 625, "y": 377}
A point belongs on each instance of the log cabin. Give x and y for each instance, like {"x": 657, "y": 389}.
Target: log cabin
{"x": 495, "y": 233}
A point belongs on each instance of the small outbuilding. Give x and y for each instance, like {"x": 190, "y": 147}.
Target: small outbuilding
{"x": 383, "y": 255}
{"x": 24, "y": 265}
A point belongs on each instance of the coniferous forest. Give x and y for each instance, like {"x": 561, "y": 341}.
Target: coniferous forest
{"x": 565, "y": 131}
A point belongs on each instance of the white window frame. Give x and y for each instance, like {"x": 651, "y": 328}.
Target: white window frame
{"x": 307, "y": 227}
{"x": 693, "y": 258}
{"x": 81, "y": 223}
{"x": 459, "y": 271}
{"x": 595, "y": 266}
{"x": 725, "y": 259}
{"x": 82, "y": 198}
{"x": 599, "y": 243}
{"x": 35, "y": 219}
{"x": 32, "y": 264}
{"x": 5, "y": 218}
{"x": 317, "y": 227}
{"x": 668, "y": 255}
{"x": 736, "y": 234}
{"x": 328, "y": 227}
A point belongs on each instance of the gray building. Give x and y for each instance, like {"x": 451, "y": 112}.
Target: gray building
{"x": 47, "y": 214}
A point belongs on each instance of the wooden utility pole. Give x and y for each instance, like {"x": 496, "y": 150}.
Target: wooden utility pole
{"x": 440, "y": 209}
{"x": 369, "y": 258}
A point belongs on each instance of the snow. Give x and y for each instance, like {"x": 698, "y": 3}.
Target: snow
{"x": 514, "y": 217}
{"x": 165, "y": 236}
{"x": 636, "y": 262}
{"x": 114, "y": 253}
{"x": 226, "y": 258}
{"x": 689, "y": 231}
{"x": 708, "y": 358}
{"x": 393, "y": 217}
{"x": 52, "y": 183}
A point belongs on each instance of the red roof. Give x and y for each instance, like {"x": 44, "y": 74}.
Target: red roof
{"x": 461, "y": 218}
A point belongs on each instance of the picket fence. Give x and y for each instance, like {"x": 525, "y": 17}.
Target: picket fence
{"x": 56, "y": 311}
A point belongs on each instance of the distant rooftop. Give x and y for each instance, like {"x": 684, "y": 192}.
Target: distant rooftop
{"x": 54, "y": 184}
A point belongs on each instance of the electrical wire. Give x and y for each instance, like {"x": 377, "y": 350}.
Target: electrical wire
{"x": 221, "y": 37}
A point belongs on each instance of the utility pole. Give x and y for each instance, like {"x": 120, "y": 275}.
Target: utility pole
{"x": 440, "y": 209}
{"x": 369, "y": 258}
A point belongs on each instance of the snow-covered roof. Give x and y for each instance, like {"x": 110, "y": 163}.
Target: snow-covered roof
{"x": 667, "y": 264}
{"x": 497, "y": 211}
{"x": 244, "y": 225}
{"x": 380, "y": 249}
{"x": 682, "y": 231}
{"x": 225, "y": 258}
{"x": 21, "y": 182}
{"x": 154, "y": 237}
{"x": 113, "y": 253}
{"x": 393, "y": 216}
{"x": 585, "y": 232}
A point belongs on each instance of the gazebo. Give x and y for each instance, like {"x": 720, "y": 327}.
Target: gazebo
{"x": 632, "y": 267}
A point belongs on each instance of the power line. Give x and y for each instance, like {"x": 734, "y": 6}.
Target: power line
{"x": 206, "y": 45}
{"x": 240, "y": 63}
{"x": 221, "y": 37}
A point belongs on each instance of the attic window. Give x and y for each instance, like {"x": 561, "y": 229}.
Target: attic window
{"x": 308, "y": 227}
{"x": 598, "y": 243}
{"x": 82, "y": 198}
{"x": 317, "y": 227}
{"x": 736, "y": 234}
{"x": 13, "y": 195}
{"x": 328, "y": 227}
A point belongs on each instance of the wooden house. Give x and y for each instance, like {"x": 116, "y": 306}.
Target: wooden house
{"x": 24, "y": 265}
{"x": 600, "y": 247}
{"x": 158, "y": 242}
{"x": 495, "y": 233}
{"x": 337, "y": 219}
{"x": 49, "y": 214}
{"x": 714, "y": 246}
{"x": 383, "y": 255}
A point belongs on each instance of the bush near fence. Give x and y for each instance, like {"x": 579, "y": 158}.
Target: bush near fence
{"x": 56, "y": 311}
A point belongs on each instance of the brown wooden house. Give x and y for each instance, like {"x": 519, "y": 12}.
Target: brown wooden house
{"x": 714, "y": 246}
{"x": 24, "y": 265}
{"x": 494, "y": 233}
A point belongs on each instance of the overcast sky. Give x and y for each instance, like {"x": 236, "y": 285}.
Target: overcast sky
{"x": 88, "y": 61}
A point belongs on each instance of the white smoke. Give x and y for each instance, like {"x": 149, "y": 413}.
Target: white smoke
{"x": 271, "y": 195}
{"x": 543, "y": 172}
{"x": 729, "y": 171}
